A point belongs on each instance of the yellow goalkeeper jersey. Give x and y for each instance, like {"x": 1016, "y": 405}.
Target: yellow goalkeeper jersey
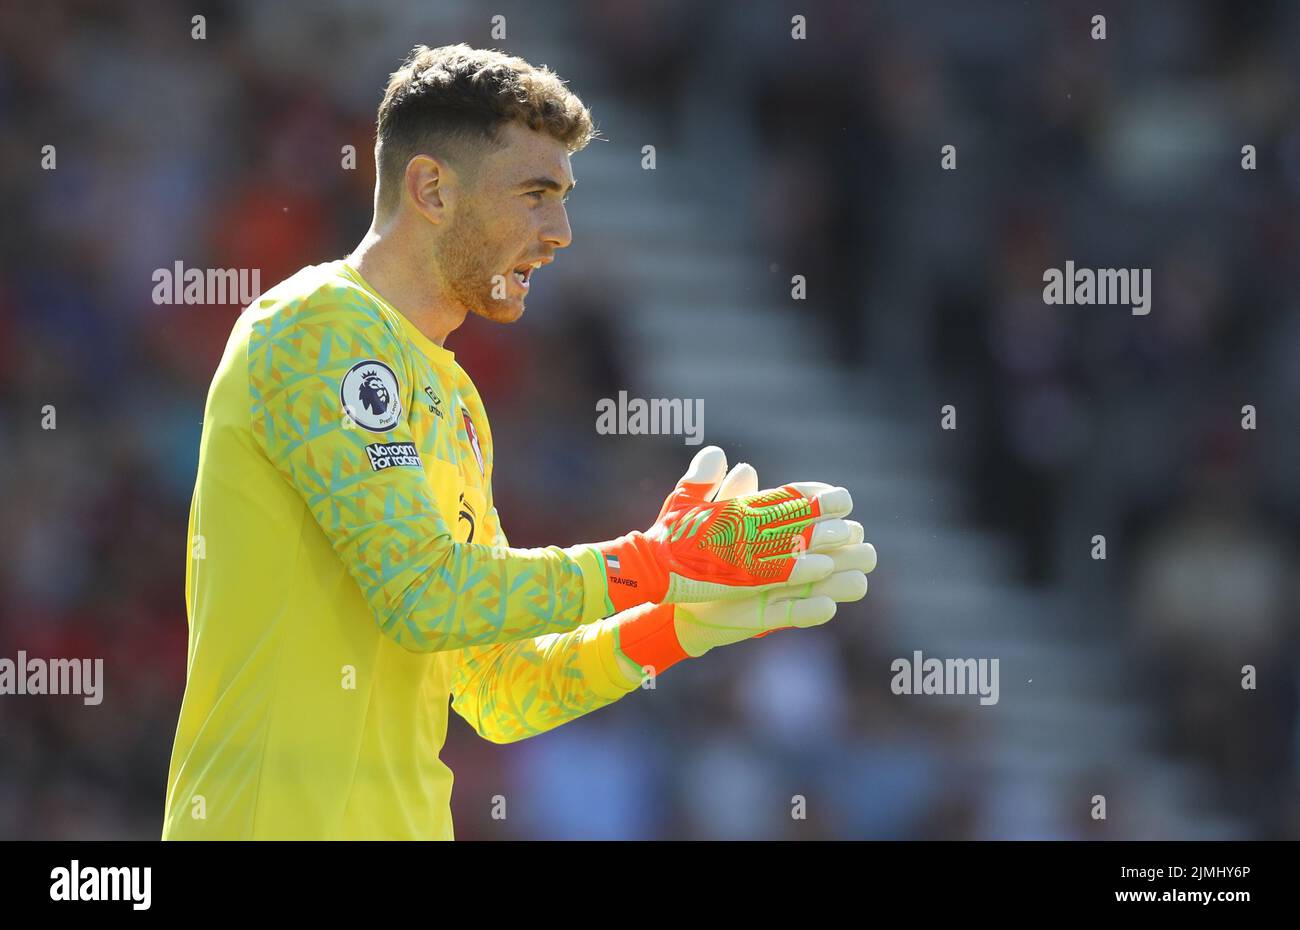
{"x": 347, "y": 575}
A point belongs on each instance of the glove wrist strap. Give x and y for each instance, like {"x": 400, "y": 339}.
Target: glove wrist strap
{"x": 633, "y": 572}
{"x": 650, "y": 639}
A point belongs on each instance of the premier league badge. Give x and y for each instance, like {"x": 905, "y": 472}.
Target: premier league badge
{"x": 370, "y": 396}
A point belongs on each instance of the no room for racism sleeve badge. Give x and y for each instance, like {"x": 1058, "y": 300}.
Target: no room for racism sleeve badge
{"x": 370, "y": 396}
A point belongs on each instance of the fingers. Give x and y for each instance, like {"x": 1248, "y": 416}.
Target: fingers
{"x": 841, "y": 587}
{"x": 808, "y": 611}
{"x": 828, "y": 501}
{"x": 854, "y": 557}
{"x": 830, "y": 534}
{"x": 705, "y": 473}
{"x": 811, "y": 567}
{"x": 810, "y": 488}
{"x": 837, "y": 502}
{"x": 826, "y": 504}
{"x": 740, "y": 481}
{"x": 815, "y": 604}
{"x": 856, "y": 532}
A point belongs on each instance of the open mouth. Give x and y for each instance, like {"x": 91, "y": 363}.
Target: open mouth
{"x": 523, "y": 273}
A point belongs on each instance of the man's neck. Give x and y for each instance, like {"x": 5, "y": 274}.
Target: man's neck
{"x": 399, "y": 280}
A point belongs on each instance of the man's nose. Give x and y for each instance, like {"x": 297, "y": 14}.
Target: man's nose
{"x": 557, "y": 232}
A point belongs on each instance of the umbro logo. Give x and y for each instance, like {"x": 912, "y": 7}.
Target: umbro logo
{"x": 435, "y": 405}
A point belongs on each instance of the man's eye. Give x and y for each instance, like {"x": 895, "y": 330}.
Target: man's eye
{"x": 537, "y": 194}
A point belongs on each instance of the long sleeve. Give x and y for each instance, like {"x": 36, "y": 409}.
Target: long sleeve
{"x": 512, "y": 691}
{"x": 368, "y": 483}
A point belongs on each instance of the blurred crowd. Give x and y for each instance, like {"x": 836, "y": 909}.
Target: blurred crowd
{"x": 1123, "y": 152}
{"x": 226, "y": 153}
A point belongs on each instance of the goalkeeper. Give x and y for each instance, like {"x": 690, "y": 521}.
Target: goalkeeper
{"x": 348, "y": 572}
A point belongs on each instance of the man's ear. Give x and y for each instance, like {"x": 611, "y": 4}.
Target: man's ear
{"x": 428, "y": 186}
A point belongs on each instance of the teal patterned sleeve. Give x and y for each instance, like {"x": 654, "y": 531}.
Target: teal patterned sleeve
{"x": 511, "y": 691}
{"x": 365, "y": 483}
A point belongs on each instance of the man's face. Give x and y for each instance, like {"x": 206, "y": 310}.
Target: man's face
{"x": 508, "y": 215}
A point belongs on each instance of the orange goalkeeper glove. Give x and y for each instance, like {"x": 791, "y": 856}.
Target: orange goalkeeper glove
{"x": 706, "y": 548}
{"x": 661, "y": 637}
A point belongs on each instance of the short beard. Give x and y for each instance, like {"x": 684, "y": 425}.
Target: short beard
{"x": 471, "y": 284}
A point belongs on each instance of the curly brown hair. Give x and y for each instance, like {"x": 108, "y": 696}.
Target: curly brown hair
{"x": 452, "y": 99}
